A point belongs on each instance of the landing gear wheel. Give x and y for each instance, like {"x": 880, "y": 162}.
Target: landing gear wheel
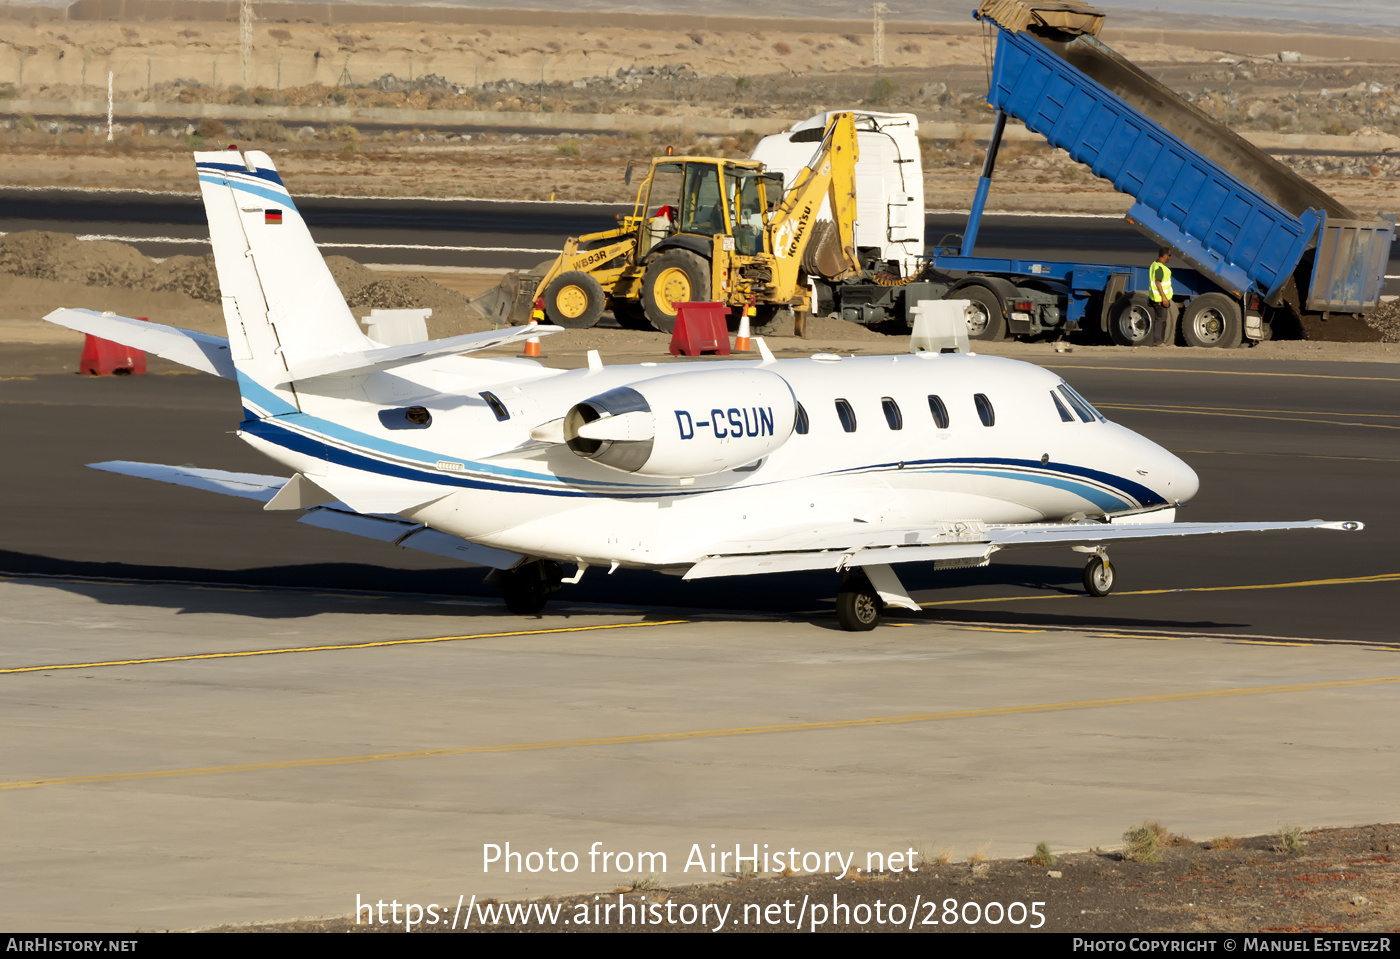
{"x": 1131, "y": 322}
{"x": 676, "y": 276}
{"x": 985, "y": 319}
{"x": 525, "y": 598}
{"x": 526, "y": 589}
{"x": 573, "y": 300}
{"x": 1098, "y": 576}
{"x": 1212, "y": 320}
{"x": 858, "y": 606}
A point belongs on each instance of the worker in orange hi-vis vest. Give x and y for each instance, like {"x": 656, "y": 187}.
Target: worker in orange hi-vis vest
{"x": 1159, "y": 278}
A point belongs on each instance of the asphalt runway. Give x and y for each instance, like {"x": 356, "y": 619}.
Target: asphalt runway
{"x": 487, "y": 234}
{"x": 216, "y": 715}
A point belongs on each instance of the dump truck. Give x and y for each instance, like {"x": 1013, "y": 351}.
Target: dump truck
{"x": 1265, "y": 246}
{"x": 1260, "y": 246}
{"x": 703, "y": 228}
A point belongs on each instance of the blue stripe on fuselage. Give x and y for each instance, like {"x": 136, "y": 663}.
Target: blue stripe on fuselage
{"x": 1104, "y": 501}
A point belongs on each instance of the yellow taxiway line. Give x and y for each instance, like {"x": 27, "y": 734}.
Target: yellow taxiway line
{"x": 235, "y": 654}
{"x": 1376, "y": 578}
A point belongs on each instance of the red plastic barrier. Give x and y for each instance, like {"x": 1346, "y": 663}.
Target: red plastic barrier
{"x": 105, "y": 358}
{"x": 700, "y": 328}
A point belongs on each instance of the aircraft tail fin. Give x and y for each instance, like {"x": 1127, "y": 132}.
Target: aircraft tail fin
{"x": 281, "y": 304}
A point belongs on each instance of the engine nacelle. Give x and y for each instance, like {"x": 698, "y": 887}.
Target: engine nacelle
{"x": 684, "y": 424}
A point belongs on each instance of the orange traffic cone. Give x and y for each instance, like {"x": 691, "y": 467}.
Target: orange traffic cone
{"x": 532, "y": 345}
{"x": 741, "y": 342}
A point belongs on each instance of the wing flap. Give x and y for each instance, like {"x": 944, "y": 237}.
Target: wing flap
{"x": 200, "y": 351}
{"x": 1054, "y": 534}
{"x": 968, "y": 544}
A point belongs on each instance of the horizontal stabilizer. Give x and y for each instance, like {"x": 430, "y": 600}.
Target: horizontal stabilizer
{"x": 246, "y": 485}
{"x": 388, "y": 357}
{"x": 200, "y": 351}
{"x": 385, "y": 529}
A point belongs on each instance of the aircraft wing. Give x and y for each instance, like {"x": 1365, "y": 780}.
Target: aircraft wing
{"x": 948, "y": 545}
{"x": 336, "y": 516}
{"x": 201, "y": 351}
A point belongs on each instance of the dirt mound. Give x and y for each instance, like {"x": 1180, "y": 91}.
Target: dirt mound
{"x": 352, "y": 277}
{"x": 62, "y": 256}
{"x": 193, "y": 276}
{"x": 406, "y": 292}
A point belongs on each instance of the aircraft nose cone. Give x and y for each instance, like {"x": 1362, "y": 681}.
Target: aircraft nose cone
{"x": 1184, "y": 483}
{"x": 1176, "y": 481}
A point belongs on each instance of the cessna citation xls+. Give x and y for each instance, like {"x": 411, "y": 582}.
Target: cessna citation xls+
{"x": 703, "y": 469}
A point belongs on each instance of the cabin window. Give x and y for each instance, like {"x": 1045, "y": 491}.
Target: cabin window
{"x": 847, "y": 415}
{"x": 802, "y": 423}
{"x": 497, "y": 406}
{"x": 939, "y": 411}
{"x": 1065, "y": 414}
{"x": 892, "y": 414}
{"x": 1081, "y": 406}
{"x": 985, "y": 413}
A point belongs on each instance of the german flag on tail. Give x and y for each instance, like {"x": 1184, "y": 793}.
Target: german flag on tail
{"x": 272, "y": 217}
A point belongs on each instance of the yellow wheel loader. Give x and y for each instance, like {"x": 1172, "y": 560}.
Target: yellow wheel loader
{"x": 703, "y": 228}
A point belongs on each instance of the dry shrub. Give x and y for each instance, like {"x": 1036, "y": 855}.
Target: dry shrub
{"x": 782, "y": 49}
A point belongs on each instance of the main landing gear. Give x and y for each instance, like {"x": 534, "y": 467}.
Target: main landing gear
{"x": 527, "y": 588}
{"x": 858, "y": 605}
{"x": 1099, "y": 573}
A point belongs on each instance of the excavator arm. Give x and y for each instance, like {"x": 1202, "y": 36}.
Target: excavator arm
{"x": 798, "y": 242}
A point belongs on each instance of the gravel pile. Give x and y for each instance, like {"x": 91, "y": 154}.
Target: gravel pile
{"x": 1386, "y": 319}
{"x": 405, "y": 292}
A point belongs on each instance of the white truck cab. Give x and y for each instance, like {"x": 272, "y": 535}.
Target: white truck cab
{"x": 889, "y": 179}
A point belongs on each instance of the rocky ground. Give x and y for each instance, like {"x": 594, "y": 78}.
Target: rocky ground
{"x": 1326, "y": 880}
{"x": 1345, "y": 89}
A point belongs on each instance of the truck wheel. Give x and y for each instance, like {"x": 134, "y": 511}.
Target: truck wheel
{"x": 630, "y": 315}
{"x": 1212, "y": 320}
{"x": 676, "y": 276}
{"x": 573, "y": 300}
{"x": 985, "y": 319}
{"x": 1131, "y": 322}
{"x": 766, "y": 319}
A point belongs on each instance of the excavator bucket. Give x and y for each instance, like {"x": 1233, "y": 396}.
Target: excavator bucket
{"x": 508, "y": 302}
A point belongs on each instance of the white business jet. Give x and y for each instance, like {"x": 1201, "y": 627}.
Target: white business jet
{"x": 853, "y": 465}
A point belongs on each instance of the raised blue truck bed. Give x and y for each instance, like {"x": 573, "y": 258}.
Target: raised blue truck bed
{"x": 1258, "y": 236}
